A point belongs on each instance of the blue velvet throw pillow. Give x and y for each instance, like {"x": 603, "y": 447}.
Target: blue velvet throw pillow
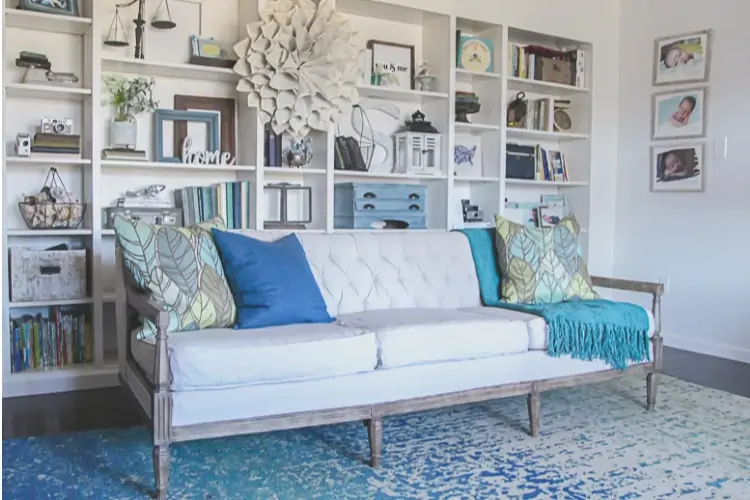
{"x": 271, "y": 282}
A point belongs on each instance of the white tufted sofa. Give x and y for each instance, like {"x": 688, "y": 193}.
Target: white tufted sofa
{"x": 410, "y": 334}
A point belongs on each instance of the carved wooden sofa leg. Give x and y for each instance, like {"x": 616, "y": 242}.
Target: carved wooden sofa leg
{"x": 533, "y": 401}
{"x": 161, "y": 470}
{"x": 161, "y": 409}
{"x": 657, "y": 342}
{"x": 652, "y": 384}
{"x": 375, "y": 436}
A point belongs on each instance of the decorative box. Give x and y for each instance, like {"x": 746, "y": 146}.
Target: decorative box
{"x": 149, "y": 215}
{"x": 554, "y": 70}
{"x": 47, "y": 274}
{"x": 379, "y": 206}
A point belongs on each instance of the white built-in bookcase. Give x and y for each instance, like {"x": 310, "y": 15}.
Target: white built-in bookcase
{"x": 75, "y": 44}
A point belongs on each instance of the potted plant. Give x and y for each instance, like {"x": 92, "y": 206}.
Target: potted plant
{"x": 130, "y": 97}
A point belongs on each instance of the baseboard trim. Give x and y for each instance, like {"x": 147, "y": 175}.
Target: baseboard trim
{"x": 709, "y": 348}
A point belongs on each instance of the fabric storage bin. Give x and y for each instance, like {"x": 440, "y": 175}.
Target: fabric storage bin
{"x": 47, "y": 274}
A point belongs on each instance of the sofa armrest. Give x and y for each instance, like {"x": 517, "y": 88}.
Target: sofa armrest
{"x": 656, "y": 289}
{"x": 147, "y": 308}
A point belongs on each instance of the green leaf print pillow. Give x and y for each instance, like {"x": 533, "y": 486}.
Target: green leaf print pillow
{"x": 541, "y": 265}
{"x": 180, "y": 269}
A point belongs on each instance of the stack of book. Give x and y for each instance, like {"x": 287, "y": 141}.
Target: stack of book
{"x": 228, "y": 200}
{"x": 56, "y": 143}
{"x": 466, "y": 97}
{"x": 124, "y": 154}
{"x": 62, "y": 339}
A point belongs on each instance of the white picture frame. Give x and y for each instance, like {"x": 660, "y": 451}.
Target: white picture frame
{"x": 679, "y": 114}
{"x": 682, "y": 58}
{"x": 678, "y": 167}
{"x": 467, "y": 155}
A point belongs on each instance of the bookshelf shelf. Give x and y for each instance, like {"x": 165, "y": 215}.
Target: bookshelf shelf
{"x": 543, "y": 135}
{"x": 388, "y": 175}
{"x": 476, "y": 127}
{"x": 146, "y": 67}
{"x": 65, "y": 378}
{"x": 43, "y": 160}
{"x": 539, "y": 183}
{"x": 50, "y": 303}
{"x": 524, "y": 84}
{"x": 469, "y": 76}
{"x": 39, "y": 21}
{"x": 33, "y": 233}
{"x": 35, "y": 91}
{"x": 289, "y": 171}
{"x": 398, "y": 94}
{"x": 463, "y": 178}
{"x": 128, "y": 165}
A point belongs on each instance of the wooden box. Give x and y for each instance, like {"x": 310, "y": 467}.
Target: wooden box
{"x": 47, "y": 274}
{"x": 554, "y": 70}
{"x": 359, "y": 205}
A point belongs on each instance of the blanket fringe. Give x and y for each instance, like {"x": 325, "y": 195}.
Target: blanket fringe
{"x": 617, "y": 345}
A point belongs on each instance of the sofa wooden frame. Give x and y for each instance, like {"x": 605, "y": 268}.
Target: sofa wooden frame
{"x": 155, "y": 399}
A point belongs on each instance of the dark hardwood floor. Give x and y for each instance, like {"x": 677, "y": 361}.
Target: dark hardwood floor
{"x": 108, "y": 408}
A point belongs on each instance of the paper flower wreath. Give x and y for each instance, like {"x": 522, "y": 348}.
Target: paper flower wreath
{"x": 299, "y": 66}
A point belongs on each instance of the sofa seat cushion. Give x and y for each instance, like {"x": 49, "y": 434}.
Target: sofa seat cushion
{"x": 225, "y": 357}
{"x": 424, "y": 335}
{"x": 536, "y": 326}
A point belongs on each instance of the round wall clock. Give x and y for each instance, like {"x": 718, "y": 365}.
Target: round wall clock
{"x": 476, "y": 55}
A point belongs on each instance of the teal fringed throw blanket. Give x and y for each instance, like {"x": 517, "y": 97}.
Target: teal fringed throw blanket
{"x": 616, "y": 332}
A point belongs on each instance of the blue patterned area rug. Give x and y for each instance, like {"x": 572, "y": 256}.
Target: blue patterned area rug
{"x": 597, "y": 442}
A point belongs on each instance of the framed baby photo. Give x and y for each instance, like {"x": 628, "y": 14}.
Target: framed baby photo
{"x": 682, "y": 58}
{"x": 550, "y": 216}
{"x": 678, "y": 167}
{"x": 679, "y": 114}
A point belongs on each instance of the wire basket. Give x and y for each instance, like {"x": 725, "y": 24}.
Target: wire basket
{"x": 52, "y": 215}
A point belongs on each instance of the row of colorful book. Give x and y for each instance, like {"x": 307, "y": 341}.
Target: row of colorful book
{"x": 550, "y": 165}
{"x": 228, "y": 200}
{"x": 522, "y": 61}
{"x": 61, "y": 339}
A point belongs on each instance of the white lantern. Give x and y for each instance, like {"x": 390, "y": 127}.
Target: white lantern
{"x": 417, "y": 153}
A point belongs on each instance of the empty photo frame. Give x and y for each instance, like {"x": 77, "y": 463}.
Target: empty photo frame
{"x": 204, "y": 138}
{"x": 224, "y": 106}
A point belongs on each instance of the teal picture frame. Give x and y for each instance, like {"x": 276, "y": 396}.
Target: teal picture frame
{"x": 69, "y": 8}
{"x": 175, "y": 115}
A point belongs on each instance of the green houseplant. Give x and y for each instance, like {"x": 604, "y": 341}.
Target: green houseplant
{"x": 129, "y": 97}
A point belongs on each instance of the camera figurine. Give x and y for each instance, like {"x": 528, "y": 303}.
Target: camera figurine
{"x": 23, "y": 145}
{"x": 471, "y": 212}
{"x": 57, "y": 126}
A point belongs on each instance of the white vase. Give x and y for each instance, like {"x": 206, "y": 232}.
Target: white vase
{"x": 123, "y": 134}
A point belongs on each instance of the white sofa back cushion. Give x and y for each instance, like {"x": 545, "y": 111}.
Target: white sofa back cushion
{"x": 365, "y": 271}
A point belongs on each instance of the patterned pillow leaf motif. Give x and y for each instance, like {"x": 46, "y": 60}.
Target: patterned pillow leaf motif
{"x": 541, "y": 265}
{"x": 181, "y": 270}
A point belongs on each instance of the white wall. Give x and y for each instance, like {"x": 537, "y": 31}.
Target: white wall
{"x": 593, "y": 21}
{"x": 699, "y": 240}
